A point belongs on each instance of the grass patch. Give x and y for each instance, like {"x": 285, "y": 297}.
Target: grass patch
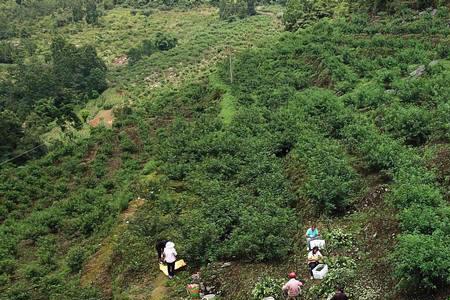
{"x": 227, "y": 101}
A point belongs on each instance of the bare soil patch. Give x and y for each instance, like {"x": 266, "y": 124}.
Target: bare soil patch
{"x": 121, "y": 60}
{"x": 105, "y": 117}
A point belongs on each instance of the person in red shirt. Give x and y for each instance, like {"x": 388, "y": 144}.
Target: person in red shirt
{"x": 292, "y": 287}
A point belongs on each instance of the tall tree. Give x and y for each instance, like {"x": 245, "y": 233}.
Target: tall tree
{"x": 10, "y": 131}
{"x": 233, "y": 9}
{"x": 77, "y": 11}
{"x": 91, "y": 12}
{"x": 251, "y": 10}
{"x": 78, "y": 68}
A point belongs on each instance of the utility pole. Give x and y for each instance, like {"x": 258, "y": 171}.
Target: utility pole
{"x": 231, "y": 69}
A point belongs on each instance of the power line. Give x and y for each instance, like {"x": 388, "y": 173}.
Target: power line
{"x": 8, "y": 160}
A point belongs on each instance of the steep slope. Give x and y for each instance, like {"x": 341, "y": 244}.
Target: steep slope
{"x": 340, "y": 124}
{"x": 59, "y": 214}
{"x": 329, "y": 124}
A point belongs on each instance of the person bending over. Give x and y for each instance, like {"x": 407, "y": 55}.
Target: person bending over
{"x": 292, "y": 287}
{"x": 314, "y": 258}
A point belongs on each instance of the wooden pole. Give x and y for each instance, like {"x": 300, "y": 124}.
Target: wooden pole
{"x": 231, "y": 70}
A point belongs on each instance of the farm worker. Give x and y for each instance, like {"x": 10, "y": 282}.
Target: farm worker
{"x": 340, "y": 295}
{"x": 160, "y": 245}
{"x": 292, "y": 287}
{"x": 314, "y": 257}
{"x": 311, "y": 234}
{"x": 170, "y": 256}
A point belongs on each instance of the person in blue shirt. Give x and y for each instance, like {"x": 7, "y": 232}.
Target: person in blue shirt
{"x": 311, "y": 234}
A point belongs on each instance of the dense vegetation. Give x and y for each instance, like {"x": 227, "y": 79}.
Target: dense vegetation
{"x": 232, "y": 162}
{"x": 38, "y": 93}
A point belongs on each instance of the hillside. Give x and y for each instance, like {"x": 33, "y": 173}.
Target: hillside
{"x": 229, "y": 137}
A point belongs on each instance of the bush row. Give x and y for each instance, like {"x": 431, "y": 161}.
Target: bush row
{"x": 52, "y": 210}
{"x": 375, "y": 107}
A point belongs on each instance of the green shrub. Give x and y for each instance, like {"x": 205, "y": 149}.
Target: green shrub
{"x": 19, "y": 291}
{"x": 324, "y": 109}
{"x": 403, "y": 195}
{"x": 150, "y": 167}
{"x": 160, "y": 42}
{"x": 147, "y": 12}
{"x": 337, "y": 240}
{"x": 123, "y": 199}
{"x": 380, "y": 152}
{"x": 133, "y": 252}
{"x": 75, "y": 258}
{"x": 268, "y": 287}
{"x": 4, "y": 280}
{"x": 46, "y": 251}
{"x": 422, "y": 261}
{"x": 330, "y": 180}
{"x": 164, "y": 41}
{"x": 127, "y": 143}
{"x": 415, "y": 91}
{"x": 8, "y": 266}
{"x": 61, "y": 21}
{"x": 441, "y": 122}
{"x": 134, "y": 54}
{"x": 97, "y": 215}
{"x": 149, "y": 47}
{"x": 335, "y": 277}
{"x": 34, "y": 231}
{"x": 411, "y": 123}
{"x": 78, "y": 12}
{"x": 263, "y": 234}
{"x": 200, "y": 245}
{"x": 34, "y": 272}
{"x": 369, "y": 95}
{"x": 443, "y": 51}
{"x": 53, "y": 284}
{"x": 426, "y": 220}
{"x": 340, "y": 262}
{"x": 396, "y": 5}
{"x": 414, "y": 173}
{"x": 7, "y": 53}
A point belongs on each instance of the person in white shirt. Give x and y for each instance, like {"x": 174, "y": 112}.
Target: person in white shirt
{"x": 170, "y": 256}
{"x": 314, "y": 258}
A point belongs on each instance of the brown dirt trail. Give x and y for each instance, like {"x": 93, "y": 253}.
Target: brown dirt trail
{"x": 96, "y": 270}
{"x": 160, "y": 291}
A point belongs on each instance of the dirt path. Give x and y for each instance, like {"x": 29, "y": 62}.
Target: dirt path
{"x": 97, "y": 269}
{"x": 160, "y": 290}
